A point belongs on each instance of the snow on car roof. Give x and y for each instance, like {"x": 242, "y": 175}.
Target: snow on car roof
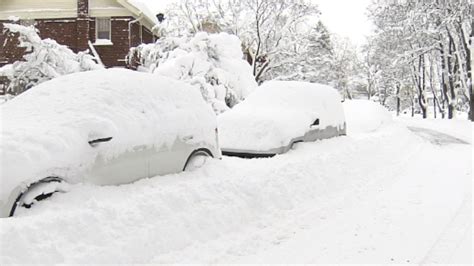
{"x": 50, "y": 125}
{"x": 296, "y": 95}
{"x": 277, "y": 112}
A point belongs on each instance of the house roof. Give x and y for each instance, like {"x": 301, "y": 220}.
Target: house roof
{"x": 140, "y": 10}
{"x": 33, "y": 9}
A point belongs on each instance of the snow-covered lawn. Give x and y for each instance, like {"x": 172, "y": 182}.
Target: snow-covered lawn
{"x": 391, "y": 195}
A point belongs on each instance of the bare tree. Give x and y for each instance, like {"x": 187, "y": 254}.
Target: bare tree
{"x": 268, "y": 29}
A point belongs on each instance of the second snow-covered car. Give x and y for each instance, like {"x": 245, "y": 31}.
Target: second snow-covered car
{"x": 104, "y": 127}
{"x": 279, "y": 114}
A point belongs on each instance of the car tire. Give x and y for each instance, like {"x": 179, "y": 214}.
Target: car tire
{"x": 37, "y": 191}
{"x": 197, "y": 159}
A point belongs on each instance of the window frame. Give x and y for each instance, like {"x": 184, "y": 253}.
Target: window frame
{"x": 97, "y": 28}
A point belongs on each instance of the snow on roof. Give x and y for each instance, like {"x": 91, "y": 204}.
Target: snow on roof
{"x": 142, "y": 7}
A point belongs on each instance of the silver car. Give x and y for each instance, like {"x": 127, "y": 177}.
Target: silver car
{"x": 278, "y": 115}
{"x": 105, "y": 127}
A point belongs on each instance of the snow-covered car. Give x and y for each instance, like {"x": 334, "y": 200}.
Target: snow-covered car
{"x": 103, "y": 127}
{"x": 279, "y": 114}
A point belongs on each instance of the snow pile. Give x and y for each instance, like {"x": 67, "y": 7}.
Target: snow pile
{"x": 277, "y": 112}
{"x": 44, "y": 60}
{"x": 341, "y": 196}
{"x": 210, "y": 62}
{"x": 48, "y": 128}
{"x": 365, "y": 116}
{"x": 5, "y": 98}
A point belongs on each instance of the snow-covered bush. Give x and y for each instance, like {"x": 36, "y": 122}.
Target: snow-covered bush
{"x": 212, "y": 63}
{"x": 44, "y": 59}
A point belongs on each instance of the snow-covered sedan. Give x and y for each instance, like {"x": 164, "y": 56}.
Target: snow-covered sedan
{"x": 279, "y": 114}
{"x": 104, "y": 127}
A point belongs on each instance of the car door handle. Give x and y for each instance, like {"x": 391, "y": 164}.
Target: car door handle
{"x": 94, "y": 142}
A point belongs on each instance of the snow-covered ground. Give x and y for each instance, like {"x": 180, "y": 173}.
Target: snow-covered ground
{"x": 392, "y": 194}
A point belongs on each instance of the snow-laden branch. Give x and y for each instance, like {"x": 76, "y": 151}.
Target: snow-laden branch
{"x": 43, "y": 60}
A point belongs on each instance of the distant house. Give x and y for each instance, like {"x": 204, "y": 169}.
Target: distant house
{"x": 107, "y": 28}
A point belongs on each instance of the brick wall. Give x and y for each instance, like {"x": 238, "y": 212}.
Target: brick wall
{"x": 65, "y": 31}
{"x": 147, "y": 36}
{"x": 135, "y": 34}
{"x": 62, "y": 31}
{"x": 82, "y": 25}
{"x": 10, "y": 51}
{"x": 114, "y": 55}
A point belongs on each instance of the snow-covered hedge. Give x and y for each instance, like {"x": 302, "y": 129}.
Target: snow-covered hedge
{"x": 212, "y": 63}
{"x": 44, "y": 59}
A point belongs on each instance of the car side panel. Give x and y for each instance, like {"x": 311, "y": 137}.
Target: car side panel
{"x": 316, "y": 133}
{"x": 170, "y": 159}
{"x": 125, "y": 168}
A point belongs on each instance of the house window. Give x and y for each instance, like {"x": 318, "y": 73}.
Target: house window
{"x": 103, "y": 28}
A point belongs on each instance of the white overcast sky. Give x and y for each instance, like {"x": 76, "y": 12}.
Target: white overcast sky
{"x": 343, "y": 17}
{"x": 347, "y": 18}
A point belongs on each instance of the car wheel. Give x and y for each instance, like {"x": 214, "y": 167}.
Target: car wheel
{"x": 197, "y": 159}
{"x": 38, "y": 191}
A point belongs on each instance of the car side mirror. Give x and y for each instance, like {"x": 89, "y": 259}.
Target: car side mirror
{"x": 94, "y": 142}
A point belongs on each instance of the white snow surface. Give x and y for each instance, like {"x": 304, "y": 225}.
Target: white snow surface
{"x": 386, "y": 196}
{"x": 48, "y": 127}
{"x": 277, "y": 112}
{"x": 365, "y": 116}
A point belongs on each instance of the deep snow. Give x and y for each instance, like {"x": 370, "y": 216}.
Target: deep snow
{"x": 386, "y": 196}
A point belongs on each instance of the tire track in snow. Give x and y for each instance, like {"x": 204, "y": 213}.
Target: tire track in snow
{"x": 453, "y": 236}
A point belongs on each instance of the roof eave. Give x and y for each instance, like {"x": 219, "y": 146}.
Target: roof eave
{"x": 138, "y": 14}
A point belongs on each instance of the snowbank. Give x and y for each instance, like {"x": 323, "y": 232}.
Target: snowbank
{"x": 5, "y": 98}
{"x": 277, "y": 112}
{"x": 365, "y": 116}
{"x": 213, "y": 63}
{"x": 47, "y": 128}
{"x": 342, "y": 196}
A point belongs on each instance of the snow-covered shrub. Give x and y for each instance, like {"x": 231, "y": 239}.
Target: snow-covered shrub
{"x": 44, "y": 59}
{"x": 213, "y": 63}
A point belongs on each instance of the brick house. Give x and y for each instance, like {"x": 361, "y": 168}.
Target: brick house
{"x": 107, "y": 28}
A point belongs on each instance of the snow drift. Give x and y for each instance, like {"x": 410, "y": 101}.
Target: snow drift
{"x": 213, "y": 63}
{"x": 342, "y": 194}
